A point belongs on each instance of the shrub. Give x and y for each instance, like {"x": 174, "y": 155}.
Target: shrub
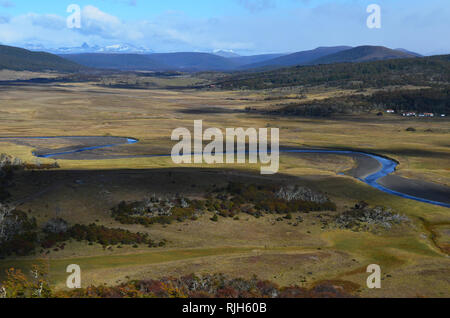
{"x": 18, "y": 232}
{"x": 213, "y": 286}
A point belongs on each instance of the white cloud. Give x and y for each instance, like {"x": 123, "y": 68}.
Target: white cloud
{"x": 95, "y": 21}
{"x": 47, "y": 21}
{"x": 7, "y": 4}
{"x": 257, "y": 5}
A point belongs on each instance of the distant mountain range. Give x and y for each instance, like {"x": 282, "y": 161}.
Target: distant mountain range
{"x": 183, "y": 61}
{"x": 119, "y": 59}
{"x": 86, "y": 48}
{"x": 194, "y": 62}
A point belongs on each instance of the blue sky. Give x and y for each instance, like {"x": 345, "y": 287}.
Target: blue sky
{"x": 244, "y": 26}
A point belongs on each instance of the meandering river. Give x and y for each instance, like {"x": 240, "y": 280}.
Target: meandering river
{"x": 374, "y": 170}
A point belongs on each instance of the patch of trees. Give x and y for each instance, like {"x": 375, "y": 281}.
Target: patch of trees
{"x": 8, "y": 165}
{"x": 57, "y": 231}
{"x": 371, "y": 219}
{"x": 156, "y": 210}
{"x": 416, "y": 71}
{"x": 259, "y": 199}
{"x": 320, "y": 108}
{"x": 41, "y": 166}
{"x": 18, "y": 232}
{"x": 353, "y": 104}
{"x": 20, "y": 235}
{"x": 19, "y": 285}
{"x": 432, "y": 100}
{"x": 215, "y": 286}
{"x": 230, "y": 201}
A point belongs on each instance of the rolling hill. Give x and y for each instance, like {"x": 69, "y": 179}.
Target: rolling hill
{"x": 252, "y": 59}
{"x": 362, "y": 54}
{"x": 298, "y": 58}
{"x": 409, "y": 52}
{"x": 17, "y": 59}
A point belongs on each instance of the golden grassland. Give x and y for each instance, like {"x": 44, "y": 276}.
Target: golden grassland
{"x": 8, "y": 75}
{"x": 414, "y": 258}
{"x": 151, "y": 115}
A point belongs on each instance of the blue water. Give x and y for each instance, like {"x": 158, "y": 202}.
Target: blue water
{"x": 388, "y": 166}
{"x": 129, "y": 141}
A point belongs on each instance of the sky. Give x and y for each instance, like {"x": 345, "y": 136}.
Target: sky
{"x": 242, "y": 26}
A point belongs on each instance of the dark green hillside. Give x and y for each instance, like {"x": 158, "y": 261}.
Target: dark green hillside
{"x": 425, "y": 71}
{"x": 362, "y": 54}
{"x": 246, "y": 61}
{"x": 298, "y": 58}
{"x": 432, "y": 100}
{"x": 17, "y": 59}
{"x": 123, "y": 62}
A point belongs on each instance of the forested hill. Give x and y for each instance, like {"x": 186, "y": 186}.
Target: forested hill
{"x": 412, "y": 71}
{"x": 365, "y": 53}
{"x": 17, "y": 59}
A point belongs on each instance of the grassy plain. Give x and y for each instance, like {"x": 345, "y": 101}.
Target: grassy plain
{"x": 414, "y": 258}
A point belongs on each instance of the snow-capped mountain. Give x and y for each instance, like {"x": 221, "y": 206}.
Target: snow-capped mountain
{"x": 226, "y": 53}
{"x": 34, "y": 47}
{"x": 86, "y": 48}
{"x": 123, "y": 48}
